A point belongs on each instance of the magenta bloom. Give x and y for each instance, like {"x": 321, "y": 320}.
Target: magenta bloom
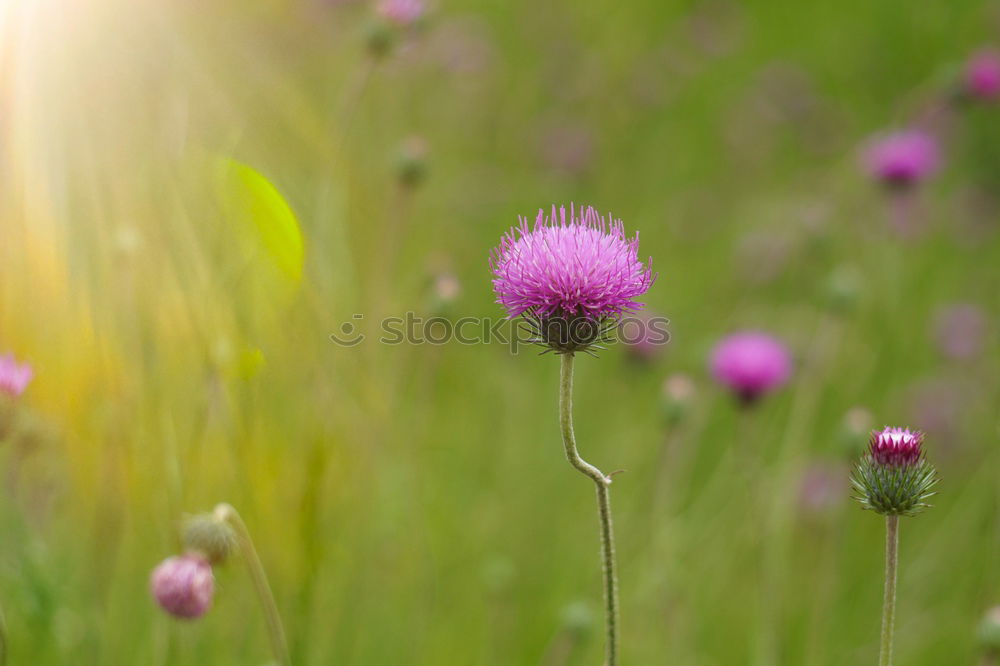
{"x": 401, "y": 12}
{"x": 579, "y": 264}
{"x": 751, "y": 364}
{"x": 902, "y": 158}
{"x": 183, "y": 585}
{"x": 896, "y": 446}
{"x": 982, "y": 75}
{"x": 14, "y": 376}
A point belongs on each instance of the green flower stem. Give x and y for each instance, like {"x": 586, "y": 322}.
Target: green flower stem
{"x": 889, "y": 601}
{"x": 603, "y": 504}
{"x": 275, "y": 630}
{"x": 3, "y": 639}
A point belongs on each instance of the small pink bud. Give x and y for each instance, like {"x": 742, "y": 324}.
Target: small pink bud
{"x": 183, "y": 585}
{"x": 14, "y": 376}
{"x": 401, "y": 12}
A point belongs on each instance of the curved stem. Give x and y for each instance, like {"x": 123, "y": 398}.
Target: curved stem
{"x": 275, "y": 630}
{"x": 603, "y": 505}
{"x": 889, "y": 601}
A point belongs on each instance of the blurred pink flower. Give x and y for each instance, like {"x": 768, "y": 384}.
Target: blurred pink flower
{"x": 644, "y": 335}
{"x": 183, "y": 585}
{"x": 401, "y": 12}
{"x": 901, "y": 159}
{"x": 938, "y": 405}
{"x": 960, "y": 330}
{"x": 823, "y": 486}
{"x": 751, "y": 364}
{"x": 982, "y": 75}
{"x": 568, "y": 147}
{"x": 14, "y": 376}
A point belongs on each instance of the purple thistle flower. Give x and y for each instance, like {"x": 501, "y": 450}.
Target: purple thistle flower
{"x": 902, "y": 159}
{"x": 401, "y": 12}
{"x": 751, "y": 364}
{"x": 896, "y": 446}
{"x": 571, "y": 265}
{"x": 982, "y": 75}
{"x": 183, "y": 585}
{"x": 14, "y": 376}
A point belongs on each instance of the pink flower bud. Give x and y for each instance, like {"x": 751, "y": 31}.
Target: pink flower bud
{"x": 14, "y": 376}
{"x": 183, "y": 585}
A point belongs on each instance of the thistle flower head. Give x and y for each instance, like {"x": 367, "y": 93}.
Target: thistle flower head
{"x": 902, "y": 159}
{"x": 569, "y": 274}
{"x": 14, "y": 376}
{"x": 751, "y": 364}
{"x": 183, "y": 585}
{"x": 982, "y": 75}
{"x": 893, "y": 477}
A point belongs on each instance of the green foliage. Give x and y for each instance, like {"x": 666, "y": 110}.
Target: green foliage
{"x": 264, "y": 222}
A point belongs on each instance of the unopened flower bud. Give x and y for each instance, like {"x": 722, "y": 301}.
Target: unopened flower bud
{"x": 989, "y": 631}
{"x": 445, "y": 289}
{"x": 209, "y": 536}
{"x": 678, "y": 394}
{"x": 183, "y": 585}
{"x": 411, "y": 162}
{"x": 855, "y": 430}
{"x": 498, "y": 573}
{"x": 842, "y": 289}
{"x": 379, "y": 38}
{"x": 893, "y": 477}
{"x": 578, "y": 618}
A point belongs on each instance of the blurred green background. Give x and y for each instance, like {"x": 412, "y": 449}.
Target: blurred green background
{"x": 195, "y": 195}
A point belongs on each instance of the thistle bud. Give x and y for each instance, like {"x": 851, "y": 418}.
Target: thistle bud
{"x": 578, "y": 618}
{"x": 854, "y": 431}
{"x": 842, "y": 289}
{"x": 678, "y": 394}
{"x": 989, "y": 631}
{"x": 209, "y": 536}
{"x": 893, "y": 477}
{"x": 183, "y": 585}
{"x": 411, "y": 161}
{"x": 379, "y": 38}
